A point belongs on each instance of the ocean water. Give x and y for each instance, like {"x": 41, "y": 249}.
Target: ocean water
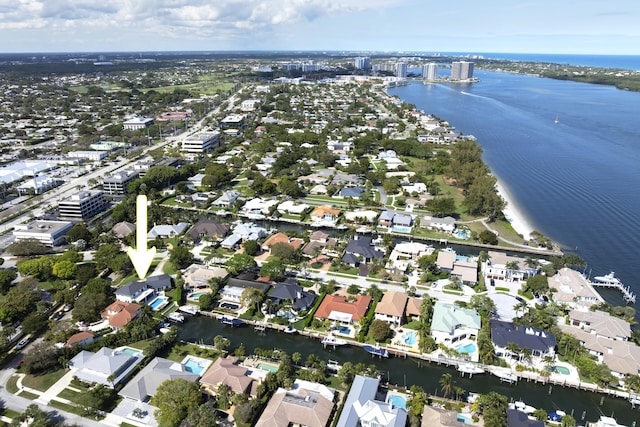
{"x": 576, "y": 181}
{"x": 628, "y": 62}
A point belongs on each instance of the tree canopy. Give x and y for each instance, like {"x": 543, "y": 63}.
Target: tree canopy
{"x": 175, "y": 399}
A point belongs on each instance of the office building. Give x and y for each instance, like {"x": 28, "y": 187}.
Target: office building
{"x": 429, "y": 71}
{"x": 49, "y": 233}
{"x": 137, "y": 123}
{"x": 82, "y": 206}
{"x": 119, "y": 182}
{"x": 362, "y": 63}
{"x": 401, "y": 69}
{"x": 201, "y": 142}
{"x": 461, "y": 70}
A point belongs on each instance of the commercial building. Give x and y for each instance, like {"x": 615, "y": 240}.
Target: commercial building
{"x": 137, "y": 123}
{"x": 119, "y": 182}
{"x": 401, "y": 69}
{"x": 49, "y": 233}
{"x": 429, "y": 71}
{"x": 82, "y": 206}
{"x": 201, "y": 142}
{"x": 94, "y": 156}
{"x": 461, "y": 70}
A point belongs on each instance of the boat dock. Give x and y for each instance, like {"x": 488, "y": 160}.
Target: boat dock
{"x": 611, "y": 281}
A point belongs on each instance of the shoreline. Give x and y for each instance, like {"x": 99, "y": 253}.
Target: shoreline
{"x": 513, "y": 213}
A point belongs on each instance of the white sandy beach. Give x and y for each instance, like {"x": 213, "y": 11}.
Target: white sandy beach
{"x": 513, "y": 213}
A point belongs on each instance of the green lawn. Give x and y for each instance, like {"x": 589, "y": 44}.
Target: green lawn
{"x": 12, "y": 385}
{"x": 28, "y": 395}
{"x": 169, "y": 268}
{"x": 43, "y": 382}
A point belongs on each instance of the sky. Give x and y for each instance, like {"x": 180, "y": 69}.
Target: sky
{"x": 468, "y": 26}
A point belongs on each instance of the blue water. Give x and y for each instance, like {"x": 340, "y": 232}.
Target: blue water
{"x": 397, "y": 401}
{"x": 464, "y": 418}
{"x": 196, "y": 296}
{"x": 410, "y": 337}
{"x": 289, "y": 315}
{"x": 193, "y": 366}
{"x": 629, "y": 62}
{"x": 345, "y": 330}
{"x": 401, "y": 229}
{"x": 467, "y": 348}
{"x": 157, "y": 302}
{"x": 575, "y": 181}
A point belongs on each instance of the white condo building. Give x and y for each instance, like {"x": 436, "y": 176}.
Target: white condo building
{"x": 201, "y": 142}
{"x": 401, "y": 69}
{"x": 461, "y": 70}
{"x": 362, "y": 63}
{"x": 429, "y": 71}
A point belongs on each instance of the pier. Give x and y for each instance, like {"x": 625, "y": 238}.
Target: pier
{"x": 611, "y": 281}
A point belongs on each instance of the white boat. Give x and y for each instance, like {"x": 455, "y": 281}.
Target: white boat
{"x": 505, "y": 376}
{"x": 189, "y": 309}
{"x": 470, "y": 368}
{"x": 608, "y": 279}
{"x": 556, "y": 121}
{"x": 472, "y": 397}
{"x": 176, "y": 317}
{"x": 606, "y": 422}
{"x": 523, "y": 407}
{"x": 289, "y": 330}
{"x": 332, "y": 341}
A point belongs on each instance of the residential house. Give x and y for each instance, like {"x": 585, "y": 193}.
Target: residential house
{"x": 145, "y": 384}
{"x": 165, "y": 231}
{"x": 145, "y": 290}
{"x": 195, "y": 181}
{"x": 416, "y": 187}
{"x": 227, "y": 199}
{"x": 318, "y": 190}
{"x": 232, "y": 291}
{"x": 601, "y": 324}
{"x": 466, "y": 268}
{"x": 81, "y": 339}
{"x": 446, "y": 224}
{"x": 306, "y": 404}
{"x": 123, "y": 229}
{"x": 517, "y": 418}
{"x": 350, "y": 192}
{"x": 198, "y": 276}
{"x": 451, "y": 324}
{"x": 120, "y": 313}
{"x": 413, "y": 310}
{"x": 324, "y": 214}
{"x": 386, "y": 218}
{"x": 292, "y": 291}
{"x": 225, "y": 370}
{"x": 274, "y": 239}
{"x": 361, "y": 250}
{"x": 258, "y": 207}
{"x": 391, "y": 308}
{"x": 539, "y": 342}
{"x": 249, "y": 231}
{"x": 400, "y": 220}
{"x": 439, "y": 417}
{"x": 496, "y": 267}
{"x": 292, "y": 208}
{"x": 362, "y": 409}
{"x": 340, "y": 309}
{"x": 208, "y": 228}
{"x": 107, "y": 366}
{"x": 361, "y": 216}
{"x": 320, "y": 240}
{"x": 573, "y": 289}
{"x": 406, "y": 254}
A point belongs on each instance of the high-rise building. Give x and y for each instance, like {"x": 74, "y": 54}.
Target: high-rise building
{"x": 401, "y": 69}
{"x": 118, "y": 183}
{"x": 461, "y": 70}
{"x": 429, "y": 71}
{"x": 362, "y": 63}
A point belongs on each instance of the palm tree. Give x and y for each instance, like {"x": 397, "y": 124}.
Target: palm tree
{"x": 446, "y": 384}
{"x": 459, "y": 391}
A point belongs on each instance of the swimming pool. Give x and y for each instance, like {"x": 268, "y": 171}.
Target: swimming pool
{"x": 196, "y": 296}
{"x": 229, "y": 305}
{"x": 158, "y": 302}
{"x": 344, "y": 330}
{"x": 267, "y": 367}
{"x": 282, "y": 313}
{"x": 401, "y": 229}
{"x": 461, "y": 234}
{"x": 560, "y": 370}
{"x": 397, "y": 401}
{"x": 193, "y": 366}
{"x": 130, "y": 351}
{"x": 410, "y": 338}
{"x": 467, "y": 348}
{"x": 464, "y": 418}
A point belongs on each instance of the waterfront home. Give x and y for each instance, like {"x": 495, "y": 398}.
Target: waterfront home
{"x": 106, "y": 366}
{"x": 225, "y": 370}
{"x": 145, "y": 384}
{"x": 361, "y": 407}
{"x": 347, "y": 310}
{"x": 306, "y": 404}
{"x": 207, "y": 228}
{"x": 232, "y": 291}
{"x": 446, "y": 224}
{"x": 621, "y": 357}
{"x": 401, "y": 220}
{"x": 361, "y": 250}
{"x": 361, "y": 216}
{"x": 324, "y": 214}
{"x": 439, "y": 417}
{"x": 293, "y": 292}
{"x": 276, "y": 238}
{"x": 406, "y": 254}
{"x": 258, "y": 206}
{"x": 451, "y": 324}
{"x": 539, "y": 342}
{"x": 197, "y": 276}
{"x": 226, "y": 199}
{"x": 601, "y": 324}
{"x": 517, "y": 418}
{"x": 119, "y": 313}
{"x": 392, "y": 307}
{"x": 144, "y": 290}
{"x": 500, "y": 266}
{"x": 249, "y": 231}
{"x": 465, "y": 268}
{"x": 386, "y": 218}
{"x": 321, "y": 240}
{"x": 292, "y": 208}
{"x": 167, "y": 230}
{"x": 573, "y": 289}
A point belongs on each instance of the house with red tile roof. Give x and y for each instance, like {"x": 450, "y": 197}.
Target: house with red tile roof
{"x": 343, "y": 309}
{"x": 120, "y": 313}
{"x": 81, "y": 339}
{"x": 295, "y": 243}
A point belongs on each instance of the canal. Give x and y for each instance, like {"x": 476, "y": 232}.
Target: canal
{"x": 585, "y": 406}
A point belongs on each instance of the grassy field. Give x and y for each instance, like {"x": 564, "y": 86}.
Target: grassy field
{"x": 43, "y": 382}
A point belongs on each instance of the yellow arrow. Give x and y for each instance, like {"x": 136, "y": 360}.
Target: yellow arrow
{"x": 141, "y": 257}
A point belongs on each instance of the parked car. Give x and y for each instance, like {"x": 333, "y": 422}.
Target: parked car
{"x": 22, "y": 344}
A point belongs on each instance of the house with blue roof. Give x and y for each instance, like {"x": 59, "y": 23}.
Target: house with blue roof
{"x": 361, "y": 250}
{"x": 540, "y": 343}
{"x": 290, "y": 290}
{"x": 353, "y": 192}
